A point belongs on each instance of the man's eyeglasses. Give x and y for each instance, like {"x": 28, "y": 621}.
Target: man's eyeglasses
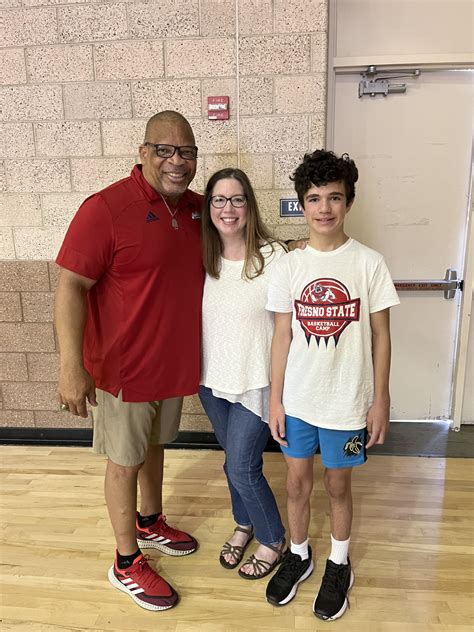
{"x": 188, "y": 152}
{"x": 237, "y": 201}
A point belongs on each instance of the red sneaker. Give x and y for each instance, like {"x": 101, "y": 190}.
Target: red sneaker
{"x": 144, "y": 585}
{"x": 161, "y": 536}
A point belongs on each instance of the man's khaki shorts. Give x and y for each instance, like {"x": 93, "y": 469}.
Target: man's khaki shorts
{"x": 124, "y": 430}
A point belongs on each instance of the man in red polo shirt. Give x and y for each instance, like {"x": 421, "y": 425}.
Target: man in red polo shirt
{"x": 128, "y": 317}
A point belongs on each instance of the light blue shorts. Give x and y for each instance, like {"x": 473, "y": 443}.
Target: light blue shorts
{"x": 339, "y": 448}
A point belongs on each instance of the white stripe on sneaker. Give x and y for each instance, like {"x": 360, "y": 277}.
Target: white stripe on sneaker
{"x": 126, "y": 581}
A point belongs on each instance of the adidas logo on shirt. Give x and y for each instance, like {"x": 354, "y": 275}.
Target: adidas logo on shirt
{"x": 151, "y": 217}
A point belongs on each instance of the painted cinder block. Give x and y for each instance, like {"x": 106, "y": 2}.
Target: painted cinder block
{"x": 10, "y": 307}
{"x": 68, "y": 138}
{"x": 20, "y": 209}
{"x": 54, "y": 271}
{"x": 13, "y": 367}
{"x": 26, "y": 337}
{"x": 129, "y": 60}
{"x": 294, "y": 16}
{"x": 215, "y": 137}
{"x": 215, "y": 162}
{"x": 217, "y": 18}
{"x": 318, "y": 131}
{"x": 12, "y": 62}
{"x": 37, "y": 175}
{"x": 7, "y": 247}
{"x": 97, "y": 100}
{"x": 29, "y": 395}
{"x": 256, "y": 95}
{"x": 57, "y": 419}
{"x": 192, "y": 406}
{"x": 284, "y": 166}
{"x": 88, "y": 23}
{"x": 93, "y": 174}
{"x": 259, "y": 168}
{"x": 59, "y": 63}
{"x": 122, "y": 138}
{"x": 29, "y": 27}
{"x": 43, "y": 367}
{"x": 274, "y": 54}
{"x": 10, "y": 4}
{"x": 268, "y": 134}
{"x": 150, "y": 97}
{"x": 198, "y": 183}
{"x": 167, "y": 18}
{"x": 25, "y": 103}
{"x": 18, "y": 276}
{"x": 37, "y": 306}
{"x": 290, "y": 231}
{"x": 16, "y": 418}
{"x": 199, "y": 423}
{"x": 60, "y": 208}
{"x": 319, "y": 52}
{"x": 198, "y": 57}
{"x": 38, "y": 243}
{"x": 304, "y": 93}
{"x": 255, "y": 17}
{"x": 16, "y": 140}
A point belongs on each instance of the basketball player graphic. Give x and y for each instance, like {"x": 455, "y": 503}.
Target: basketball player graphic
{"x": 325, "y": 309}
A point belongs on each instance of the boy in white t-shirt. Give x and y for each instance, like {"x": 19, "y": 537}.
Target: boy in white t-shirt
{"x": 330, "y": 371}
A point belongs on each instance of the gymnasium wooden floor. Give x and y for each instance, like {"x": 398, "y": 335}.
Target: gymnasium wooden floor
{"x": 412, "y": 548}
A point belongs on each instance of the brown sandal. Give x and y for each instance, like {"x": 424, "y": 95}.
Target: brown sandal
{"x": 262, "y": 568}
{"x": 235, "y": 550}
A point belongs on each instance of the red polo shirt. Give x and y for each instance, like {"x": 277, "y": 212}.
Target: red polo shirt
{"x": 143, "y": 332}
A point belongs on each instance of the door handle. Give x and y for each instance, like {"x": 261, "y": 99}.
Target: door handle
{"x": 449, "y": 285}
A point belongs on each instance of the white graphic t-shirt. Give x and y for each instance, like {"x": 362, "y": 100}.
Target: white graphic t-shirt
{"x": 329, "y": 373}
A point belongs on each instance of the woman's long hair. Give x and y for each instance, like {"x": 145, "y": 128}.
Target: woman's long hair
{"x": 256, "y": 234}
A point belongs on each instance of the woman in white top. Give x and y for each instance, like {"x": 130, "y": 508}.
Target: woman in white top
{"x": 237, "y": 333}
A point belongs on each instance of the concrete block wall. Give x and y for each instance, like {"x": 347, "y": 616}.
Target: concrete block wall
{"x": 79, "y": 79}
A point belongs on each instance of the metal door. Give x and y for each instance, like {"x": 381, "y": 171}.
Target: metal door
{"x": 413, "y": 151}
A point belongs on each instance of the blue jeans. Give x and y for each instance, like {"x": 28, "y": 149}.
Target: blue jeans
{"x": 243, "y": 436}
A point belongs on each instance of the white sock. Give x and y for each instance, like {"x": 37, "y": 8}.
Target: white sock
{"x": 339, "y": 550}
{"x": 300, "y": 549}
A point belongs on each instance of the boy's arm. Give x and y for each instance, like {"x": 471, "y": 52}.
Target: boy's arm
{"x": 280, "y": 346}
{"x": 378, "y": 414}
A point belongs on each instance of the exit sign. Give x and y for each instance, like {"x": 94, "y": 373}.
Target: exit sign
{"x": 290, "y": 207}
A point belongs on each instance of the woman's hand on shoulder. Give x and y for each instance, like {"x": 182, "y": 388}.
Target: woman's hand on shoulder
{"x": 295, "y": 244}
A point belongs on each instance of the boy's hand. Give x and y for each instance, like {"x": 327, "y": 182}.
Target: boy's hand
{"x": 377, "y": 423}
{"x": 277, "y": 423}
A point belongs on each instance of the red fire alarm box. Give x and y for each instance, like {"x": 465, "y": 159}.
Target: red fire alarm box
{"x": 217, "y": 108}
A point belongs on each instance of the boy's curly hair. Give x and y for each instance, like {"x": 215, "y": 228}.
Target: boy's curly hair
{"x": 322, "y": 167}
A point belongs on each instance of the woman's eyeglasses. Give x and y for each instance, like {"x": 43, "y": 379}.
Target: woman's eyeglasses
{"x": 237, "y": 201}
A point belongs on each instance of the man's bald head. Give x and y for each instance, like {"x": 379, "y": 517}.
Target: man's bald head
{"x": 164, "y": 119}
{"x": 169, "y": 176}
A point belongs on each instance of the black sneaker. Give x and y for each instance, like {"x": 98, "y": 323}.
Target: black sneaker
{"x": 283, "y": 585}
{"x": 331, "y": 602}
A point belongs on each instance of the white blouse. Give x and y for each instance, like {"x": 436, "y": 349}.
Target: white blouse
{"x": 237, "y": 334}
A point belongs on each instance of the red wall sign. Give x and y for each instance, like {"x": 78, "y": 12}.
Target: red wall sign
{"x": 217, "y": 108}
